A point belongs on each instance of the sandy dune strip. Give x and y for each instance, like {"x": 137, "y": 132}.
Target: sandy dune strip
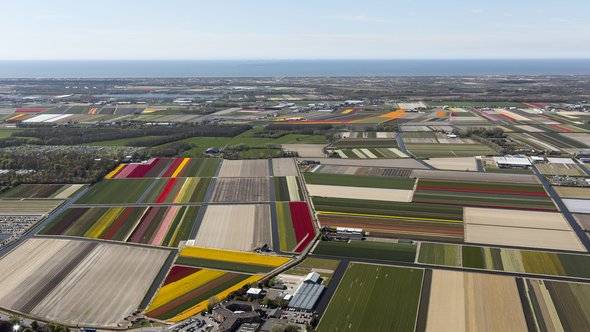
{"x": 522, "y": 237}
{"x": 392, "y": 195}
{"x": 241, "y": 190}
{"x": 516, "y": 218}
{"x": 232, "y": 227}
{"x": 244, "y": 168}
{"x": 453, "y": 164}
{"x": 284, "y": 167}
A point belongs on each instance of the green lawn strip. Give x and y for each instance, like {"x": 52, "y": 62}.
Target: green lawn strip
{"x": 200, "y": 190}
{"x": 473, "y": 257}
{"x": 115, "y": 191}
{"x": 368, "y": 250}
{"x": 359, "y": 181}
{"x": 439, "y": 254}
{"x": 223, "y": 265}
{"x": 281, "y": 189}
{"x": 287, "y": 239}
{"x": 401, "y": 209}
{"x": 184, "y": 231}
{"x": 374, "y": 298}
{"x": 203, "y": 296}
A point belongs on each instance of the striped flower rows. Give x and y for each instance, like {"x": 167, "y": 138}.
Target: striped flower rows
{"x": 160, "y": 226}
{"x": 187, "y": 291}
{"x": 165, "y": 167}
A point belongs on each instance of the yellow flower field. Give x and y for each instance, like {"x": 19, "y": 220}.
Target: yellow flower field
{"x": 233, "y": 256}
{"x": 220, "y": 296}
{"x": 183, "y": 286}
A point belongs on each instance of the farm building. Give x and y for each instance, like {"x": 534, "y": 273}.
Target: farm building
{"x": 308, "y": 293}
{"x": 512, "y": 162}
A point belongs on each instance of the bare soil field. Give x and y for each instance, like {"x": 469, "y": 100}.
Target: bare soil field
{"x": 235, "y": 227}
{"x": 493, "y": 303}
{"x": 515, "y": 218}
{"x": 573, "y": 192}
{"x": 244, "y": 168}
{"x": 583, "y": 220}
{"x": 241, "y": 190}
{"x": 447, "y": 299}
{"x": 476, "y": 176}
{"x": 522, "y": 237}
{"x": 363, "y": 171}
{"x": 401, "y": 163}
{"x": 28, "y": 206}
{"x": 306, "y": 150}
{"x": 78, "y": 282}
{"x": 284, "y": 167}
{"x": 378, "y": 194}
{"x": 475, "y": 301}
{"x": 453, "y": 164}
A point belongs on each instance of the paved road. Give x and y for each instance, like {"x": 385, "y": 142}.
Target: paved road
{"x": 584, "y": 169}
{"x": 402, "y": 148}
{"x": 479, "y": 165}
{"x": 564, "y": 210}
{"x": 35, "y": 229}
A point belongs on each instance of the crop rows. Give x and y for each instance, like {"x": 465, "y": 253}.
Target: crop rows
{"x": 165, "y": 226}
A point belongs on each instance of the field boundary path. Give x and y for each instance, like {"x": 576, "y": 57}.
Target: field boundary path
{"x": 159, "y": 279}
{"x": 564, "y": 210}
{"x": 402, "y": 148}
{"x": 35, "y": 229}
{"x": 274, "y": 221}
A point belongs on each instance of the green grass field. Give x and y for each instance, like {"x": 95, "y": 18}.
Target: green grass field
{"x": 287, "y": 238}
{"x": 374, "y": 298}
{"x": 399, "y": 209}
{"x": 449, "y": 150}
{"x": 359, "y": 181}
{"x": 115, "y": 191}
{"x": 439, "y": 254}
{"x": 368, "y": 250}
{"x": 325, "y": 267}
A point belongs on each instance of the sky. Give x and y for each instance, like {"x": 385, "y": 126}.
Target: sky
{"x": 302, "y": 29}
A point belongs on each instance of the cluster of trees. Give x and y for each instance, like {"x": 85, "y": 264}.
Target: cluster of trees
{"x": 165, "y": 134}
{"x": 8, "y": 326}
{"x": 53, "y": 167}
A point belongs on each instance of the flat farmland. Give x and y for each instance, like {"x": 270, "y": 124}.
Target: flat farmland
{"x": 115, "y": 191}
{"x": 449, "y": 150}
{"x": 360, "y": 181}
{"x": 244, "y": 168}
{"x": 57, "y": 191}
{"x": 28, "y": 206}
{"x": 306, "y": 150}
{"x": 475, "y": 177}
{"x": 237, "y": 261}
{"x": 241, "y": 190}
{"x": 392, "y": 195}
{"x": 165, "y": 226}
{"x": 177, "y": 190}
{"x": 361, "y": 171}
{"x": 573, "y": 192}
{"x": 374, "y": 298}
{"x": 284, "y": 167}
{"x": 390, "y": 163}
{"x": 186, "y": 291}
{"x": 235, "y": 227}
{"x": 453, "y": 164}
{"x": 474, "y": 194}
{"x": 560, "y": 306}
{"x": 477, "y": 302}
{"x": 560, "y": 169}
{"x": 368, "y": 250}
{"x": 439, "y": 254}
{"x": 50, "y": 278}
{"x": 287, "y": 189}
{"x": 577, "y": 205}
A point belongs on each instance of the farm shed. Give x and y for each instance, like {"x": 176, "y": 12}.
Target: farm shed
{"x": 512, "y": 162}
{"x": 306, "y": 296}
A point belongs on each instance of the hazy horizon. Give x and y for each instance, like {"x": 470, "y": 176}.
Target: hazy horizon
{"x": 266, "y": 30}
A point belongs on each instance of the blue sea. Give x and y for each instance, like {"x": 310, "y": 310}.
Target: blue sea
{"x": 288, "y": 68}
